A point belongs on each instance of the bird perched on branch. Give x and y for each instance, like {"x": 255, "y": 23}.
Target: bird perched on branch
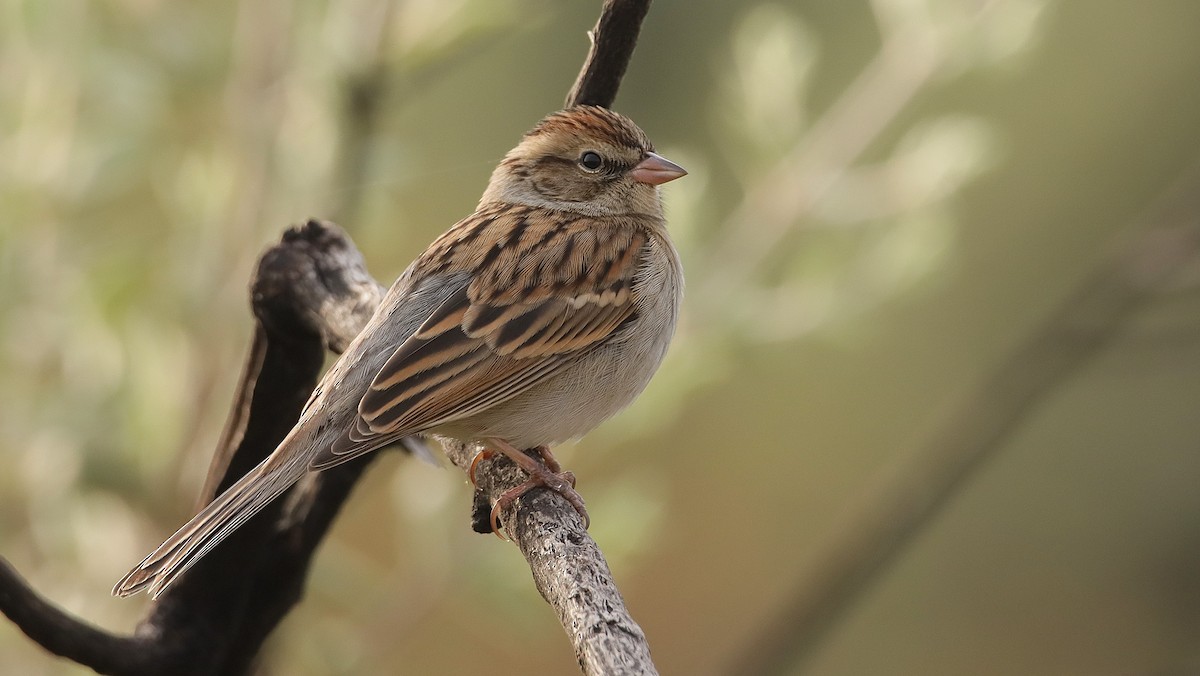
{"x": 524, "y": 325}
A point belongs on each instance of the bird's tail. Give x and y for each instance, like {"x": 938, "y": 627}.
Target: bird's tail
{"x": 214, "y": 523}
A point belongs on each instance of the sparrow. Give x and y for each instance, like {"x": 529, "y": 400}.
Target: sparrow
{"x": 524, "y": 325}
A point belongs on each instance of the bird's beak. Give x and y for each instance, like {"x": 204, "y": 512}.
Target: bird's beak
{"x": 656, "y": 170}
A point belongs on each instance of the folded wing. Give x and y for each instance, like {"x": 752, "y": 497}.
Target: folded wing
{"x": 536, "y": 302}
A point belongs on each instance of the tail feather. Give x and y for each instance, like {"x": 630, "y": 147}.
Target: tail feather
{"x": 212, "y": 525}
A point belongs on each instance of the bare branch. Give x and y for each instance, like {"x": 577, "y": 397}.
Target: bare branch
{"x": 65, "y": 635}
{"x": 613, "y": 40}
{"x": 310, "y": 291}
{"x": 567, "y": 566}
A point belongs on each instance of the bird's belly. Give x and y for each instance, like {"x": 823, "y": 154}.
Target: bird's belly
{"x": 573, "y": 401}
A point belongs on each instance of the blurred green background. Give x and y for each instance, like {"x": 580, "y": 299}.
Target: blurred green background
{"x": 887, "y": 199}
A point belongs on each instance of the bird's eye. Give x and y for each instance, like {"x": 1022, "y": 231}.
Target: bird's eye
{"x": 590, "y": 160}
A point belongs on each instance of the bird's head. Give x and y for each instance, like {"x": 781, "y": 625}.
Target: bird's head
{"x": 588, "y": 160}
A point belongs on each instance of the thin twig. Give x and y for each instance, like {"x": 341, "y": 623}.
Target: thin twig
{"x": 903, "y": 499}
{"x": 613, "y": 40}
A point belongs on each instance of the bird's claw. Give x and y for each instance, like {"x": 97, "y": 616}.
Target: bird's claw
{"x": 547, "y": 474}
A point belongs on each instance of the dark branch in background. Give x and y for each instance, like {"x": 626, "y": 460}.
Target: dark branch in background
{"x": 311, "y": 292}
{"x": 907, "y": 497}
{"x": 63, "y": 634}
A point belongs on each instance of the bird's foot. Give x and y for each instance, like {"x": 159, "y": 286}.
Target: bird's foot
{"x": 548, "y": 474}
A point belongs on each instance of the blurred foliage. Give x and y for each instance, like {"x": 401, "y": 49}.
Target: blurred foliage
{"x": 885, "y": 197}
